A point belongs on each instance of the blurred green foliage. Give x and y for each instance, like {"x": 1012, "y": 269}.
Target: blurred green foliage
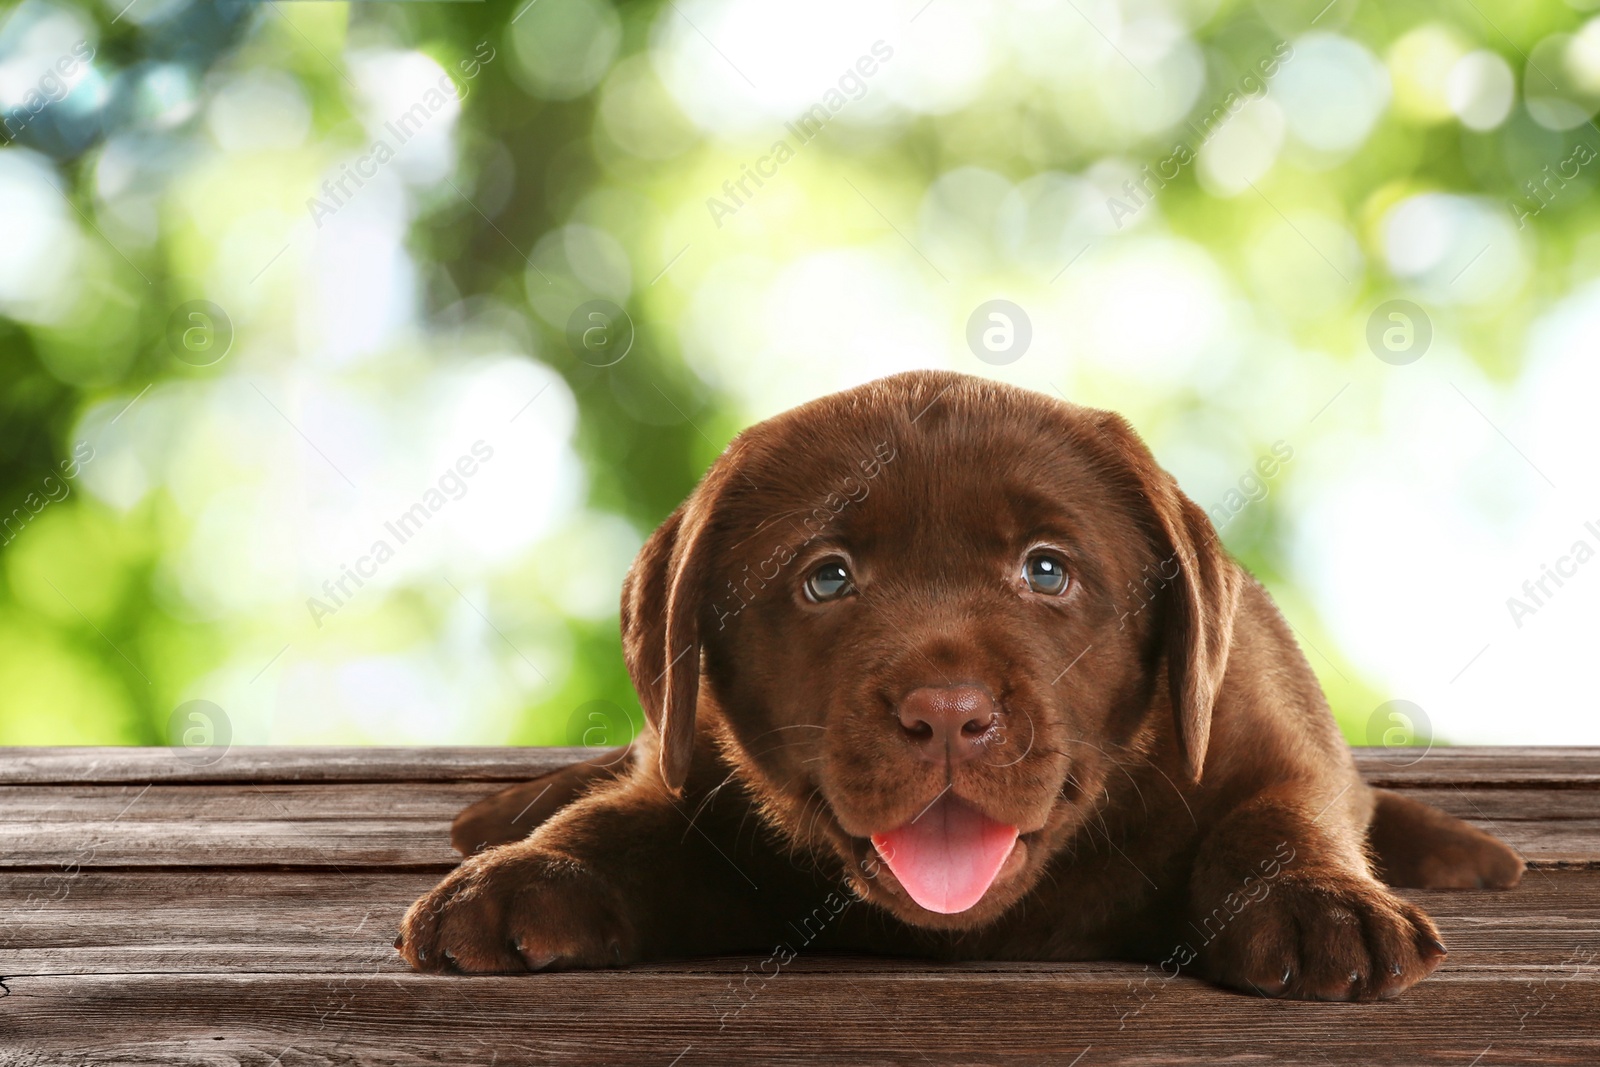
{"x": 166, "y": 195}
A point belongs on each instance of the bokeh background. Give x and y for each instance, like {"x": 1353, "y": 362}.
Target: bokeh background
{"x": 238, "y": 337}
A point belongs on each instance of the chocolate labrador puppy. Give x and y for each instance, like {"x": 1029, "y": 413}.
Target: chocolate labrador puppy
{"x": 941, "y": 667}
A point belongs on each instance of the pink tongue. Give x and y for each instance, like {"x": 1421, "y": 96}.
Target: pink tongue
{"x": 948, "y": 856}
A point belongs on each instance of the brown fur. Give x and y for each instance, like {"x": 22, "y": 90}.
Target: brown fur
{"x": 1182, "y": 792}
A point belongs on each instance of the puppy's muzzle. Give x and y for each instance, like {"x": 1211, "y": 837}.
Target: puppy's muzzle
{"x": 949, "y": 723}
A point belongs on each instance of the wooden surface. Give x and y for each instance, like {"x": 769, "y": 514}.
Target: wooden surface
{"x": 157, "y": 910}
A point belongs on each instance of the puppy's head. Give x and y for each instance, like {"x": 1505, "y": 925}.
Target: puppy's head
{"x": 921, "y": 619}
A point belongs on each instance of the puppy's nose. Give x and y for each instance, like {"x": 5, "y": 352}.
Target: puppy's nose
{"x": 947, "y": 722}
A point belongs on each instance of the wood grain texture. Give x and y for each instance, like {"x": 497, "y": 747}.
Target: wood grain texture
{"x": 325, "y": 921}
{"x": 370, "y": 824}
{"x": 239, "y": 824}
{"x": 157, "y": 911}
{"x": 895, "y": 1015}
{"x": 1505, "y": 767}
{"x": 267, "y": 763}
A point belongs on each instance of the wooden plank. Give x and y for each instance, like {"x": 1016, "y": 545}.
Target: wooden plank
{"x": 1505, "y": 768}
{"x": 347, "y": 803}
{"x": 211, "y": 921}
{"x": 1508, "y": 767}
{"x": 245, "y": 824}
{"x": 1096, "y": 1017}
{"x": 326, "y": 921}
{"x": 55, "y": 766}
{"x": 131, "y": 932}
{"x": 372, "y": 824}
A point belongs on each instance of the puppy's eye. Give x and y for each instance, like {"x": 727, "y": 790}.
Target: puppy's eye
{"x": 1045, "y": 573}
{"x": 830, "y": 581}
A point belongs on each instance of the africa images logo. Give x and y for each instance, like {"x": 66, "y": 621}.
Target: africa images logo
{"x": 451, "y": 485}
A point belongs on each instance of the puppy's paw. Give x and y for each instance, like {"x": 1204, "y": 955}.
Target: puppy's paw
{"x": 513, "y": 909}
{"x": 1420, "y": 847}
{"x": 1321, "y": 939}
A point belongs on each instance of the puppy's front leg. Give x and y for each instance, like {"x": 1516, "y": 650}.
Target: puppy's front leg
{"x": 618, "y": 876}
{"x": 1283, "y": 903}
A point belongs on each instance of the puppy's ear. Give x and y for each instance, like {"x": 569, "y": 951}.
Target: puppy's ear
{"x": 662, "y": 597}
{"x": 1200, "y": 585}
{"x": 1200, "y": 617}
